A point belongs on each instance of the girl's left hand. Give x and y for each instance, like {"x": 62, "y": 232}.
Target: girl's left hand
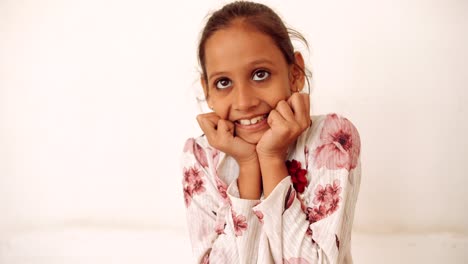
{"x": 287, "y": 121}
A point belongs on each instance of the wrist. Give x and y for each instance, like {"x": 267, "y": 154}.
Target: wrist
{"x": 249, "y": 181}
{"x": 272, "y": 158}
{"x": 247, "y": 162}
{"x": 273, "y": 170}
{"x": 271, "y": 154}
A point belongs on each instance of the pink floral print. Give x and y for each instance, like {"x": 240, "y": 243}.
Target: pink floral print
{"x": 259, "y": 215}
{"x": 326, "y": 200}
{"x": 187, "y": 195}
{"x": 193, "y": 183}
{"x": 333, "y": 205}
{"x": 321, "y": 195}
{"x": 316, "y": 213}
{"x": 219, "y": 228}
{"x": 222, "y": 188}
{"x": 215, "y": 156}
{"x": 335, "y": 190}
{"x": 192, "y": 147}
{"x": 340, "y": 144}
{"x": 240, "y": 223}
{"x": 189, "y": 145}
{"x": 200, "y": 155}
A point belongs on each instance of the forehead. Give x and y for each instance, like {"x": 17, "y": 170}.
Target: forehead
{"x": 238, "y": 46}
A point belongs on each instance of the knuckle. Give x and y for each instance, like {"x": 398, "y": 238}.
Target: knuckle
{"x": 297, "y": 127}
{"x": 282, "y": 103}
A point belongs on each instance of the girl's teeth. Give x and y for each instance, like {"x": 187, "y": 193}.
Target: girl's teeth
{"x": 252, "y": 121}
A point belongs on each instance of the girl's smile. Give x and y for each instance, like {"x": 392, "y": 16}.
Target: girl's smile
{"x": 257, "y": 123}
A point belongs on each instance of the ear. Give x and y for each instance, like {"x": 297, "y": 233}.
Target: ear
{"x": 297, "y": 73}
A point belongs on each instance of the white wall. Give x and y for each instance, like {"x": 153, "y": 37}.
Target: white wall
{"x": 97, "y": 98}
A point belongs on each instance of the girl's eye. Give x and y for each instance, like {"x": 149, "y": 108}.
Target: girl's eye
{"x": 223, "y": 83}
{"x": 260, "y": 75}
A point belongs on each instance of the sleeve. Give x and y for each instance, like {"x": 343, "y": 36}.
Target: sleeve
{"x": 222, "y": 228}
{"x": 309, "y": 215}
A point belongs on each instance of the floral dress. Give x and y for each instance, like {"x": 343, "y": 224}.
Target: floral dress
{"x": 307, "y": 218}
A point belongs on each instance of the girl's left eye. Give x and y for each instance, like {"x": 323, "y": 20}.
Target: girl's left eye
{"x": 260, "y": 75}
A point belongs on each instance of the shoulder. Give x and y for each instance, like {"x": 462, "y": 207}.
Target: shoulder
{"x": 331, "y": 126}
{"x": 195, "y": 142}
{"x": 332, "y": 123}
{"x": 333, "y": 141}
{"x": 197, "y": 150}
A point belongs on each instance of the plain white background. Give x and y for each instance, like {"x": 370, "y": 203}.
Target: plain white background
{"x": 97, "y": 98}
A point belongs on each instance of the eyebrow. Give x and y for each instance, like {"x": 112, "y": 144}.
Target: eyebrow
{"x": 252, "y": 63}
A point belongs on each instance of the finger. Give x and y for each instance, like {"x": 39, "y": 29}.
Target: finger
{"x": 275, "y": 119}
{"x": 212, "y": 117}
{"x": 306, "y": 98}
{"x": 307, "y": 103}
{"x": 225, "y": 126}
{"x": 208, "y": 123}
{"x": 300, "y": 105}
{"x": 285, "y": 111}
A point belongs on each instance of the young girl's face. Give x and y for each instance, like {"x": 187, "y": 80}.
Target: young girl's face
{"x": 247, "y": 75}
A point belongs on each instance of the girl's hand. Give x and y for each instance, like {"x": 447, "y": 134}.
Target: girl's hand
{"x": 287, "y": 121}
{"x": 220, "y": 135}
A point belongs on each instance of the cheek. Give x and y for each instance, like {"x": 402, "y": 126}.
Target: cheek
{"x": 281, "y": 94}
{"x": 221, "y": 110}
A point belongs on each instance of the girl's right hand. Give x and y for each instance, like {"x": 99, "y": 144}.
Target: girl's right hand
{"x": 220, "y": 135}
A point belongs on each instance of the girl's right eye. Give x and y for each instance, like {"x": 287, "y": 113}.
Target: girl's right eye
{"x": 223, "y": 83}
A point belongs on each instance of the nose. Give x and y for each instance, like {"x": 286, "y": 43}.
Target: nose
{"x": 245, "y": 97}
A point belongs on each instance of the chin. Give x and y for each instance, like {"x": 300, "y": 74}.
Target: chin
{"x": 253, "y": 138}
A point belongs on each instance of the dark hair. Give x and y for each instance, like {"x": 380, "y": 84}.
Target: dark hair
{"x": 259, "y": 16}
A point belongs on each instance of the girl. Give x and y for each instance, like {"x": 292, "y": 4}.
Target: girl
{"x": 266, "y": 183}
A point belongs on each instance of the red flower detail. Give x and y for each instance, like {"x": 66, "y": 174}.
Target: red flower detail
{"x": 298, "y": 175}
{"x": 240, "y": 223}
{"x": 341, "y": 144}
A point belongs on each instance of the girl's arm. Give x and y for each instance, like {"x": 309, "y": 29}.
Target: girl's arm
{"x": 308, "y": 215}
{"x": 222, "y": 227}
{"x": 220, "y": 135}
{"x": 249, "y": 181}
